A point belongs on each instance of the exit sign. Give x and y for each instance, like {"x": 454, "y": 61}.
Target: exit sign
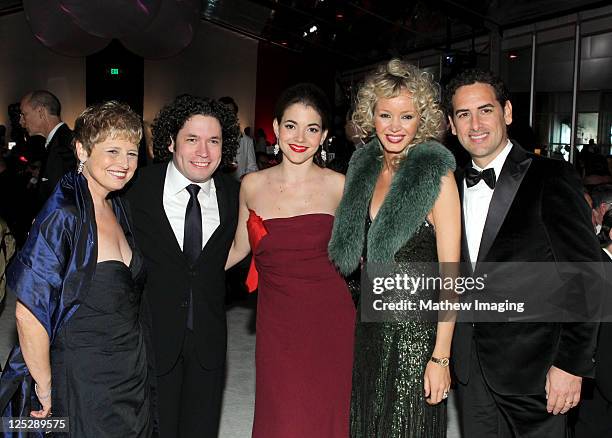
{"x": 114, "y": 71}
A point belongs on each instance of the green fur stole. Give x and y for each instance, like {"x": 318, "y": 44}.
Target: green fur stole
{"x": 414, "y": 189}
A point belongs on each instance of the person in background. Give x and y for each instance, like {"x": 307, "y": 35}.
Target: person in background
{"x": 305, "y": 315}
{"x": 245, "y": 155}
{"x": 2, "y": 139}
{"x": 400, "y": 206}
{"x": 41, "y": 115}
{"x": 601, "y": 196}
{"x": 593, "y": 416}
{"x": 13, "y": 210}
{"x": 261, "y": 142}
{"x": 7, "y": 249}
{"x": 78, "y": 282}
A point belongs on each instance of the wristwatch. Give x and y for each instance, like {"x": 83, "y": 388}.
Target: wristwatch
{"x": 443, "y": 361}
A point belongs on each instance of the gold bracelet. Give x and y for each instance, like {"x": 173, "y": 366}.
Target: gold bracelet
{"x": 443, "y": 361}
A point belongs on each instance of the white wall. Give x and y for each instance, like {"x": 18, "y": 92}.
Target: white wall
{"x": 26, "y": 65}
{"x": 217, "y": 63}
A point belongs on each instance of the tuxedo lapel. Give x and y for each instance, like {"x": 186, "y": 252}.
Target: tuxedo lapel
{"x": 507, "y": 185}
{"x": 159, "y": 218}
{"x": 465, "y": 251}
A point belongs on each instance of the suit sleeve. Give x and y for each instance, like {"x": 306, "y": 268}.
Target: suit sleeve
{"x": 61, "y": 160}
{"x": 572, "y": 239}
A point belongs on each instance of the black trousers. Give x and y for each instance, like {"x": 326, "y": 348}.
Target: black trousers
{"x": 593, "y": 416}
{"x": 190, "y": 397}
{"x": 483, "y": 413}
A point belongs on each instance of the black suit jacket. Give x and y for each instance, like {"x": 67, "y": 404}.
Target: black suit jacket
{"x": 170, "y": 279}
{"x": 603, "y": 357}
{"x": 537, "y": 214}
{"x": 60, "y": 158}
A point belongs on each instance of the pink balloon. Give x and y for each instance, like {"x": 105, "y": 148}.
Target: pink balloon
{"x": 56, "y": 31}
{"x": 169, "y": 33}
{"x": 111, "y": 18}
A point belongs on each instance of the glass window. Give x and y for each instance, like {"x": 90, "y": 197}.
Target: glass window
{"x": 594, "y": 121}
{"x": 434, "y": 70}
{"x": 553, "y": 99}
{"x": 516, "y": 74}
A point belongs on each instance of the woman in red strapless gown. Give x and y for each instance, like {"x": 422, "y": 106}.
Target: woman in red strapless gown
{"x": 305, "y": 313}
{"x": 305, "y": 324}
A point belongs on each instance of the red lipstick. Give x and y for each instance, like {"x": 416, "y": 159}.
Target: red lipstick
{"x": 297, "y": 148}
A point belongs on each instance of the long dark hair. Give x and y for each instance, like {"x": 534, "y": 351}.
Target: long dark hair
{"x": 309, "y": 95}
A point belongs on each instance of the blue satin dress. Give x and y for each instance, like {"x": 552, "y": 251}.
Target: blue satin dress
{"x": 92, "y": 315}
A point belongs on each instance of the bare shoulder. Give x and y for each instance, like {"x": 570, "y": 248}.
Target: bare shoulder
{"x": 333, "y": 180}
{"x": 254, "y": 182}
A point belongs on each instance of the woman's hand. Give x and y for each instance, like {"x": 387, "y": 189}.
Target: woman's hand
{"x": 437, "y": 383}
{"x": 44, "y": 397}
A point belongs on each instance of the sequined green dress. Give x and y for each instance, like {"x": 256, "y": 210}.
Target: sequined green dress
{"x": 390, "y": 359}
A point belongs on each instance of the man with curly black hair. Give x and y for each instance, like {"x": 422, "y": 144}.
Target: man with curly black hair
{"x": 185, "y": 215}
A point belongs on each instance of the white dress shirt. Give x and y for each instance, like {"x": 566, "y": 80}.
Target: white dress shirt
{"x": 52, "y": 133}
{"x": 245, "y": 157}
{"x": 175, "y": 201}
{"x": 476, "y": 201}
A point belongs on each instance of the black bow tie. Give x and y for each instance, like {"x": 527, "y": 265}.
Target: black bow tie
{"x": 472, "y": 177}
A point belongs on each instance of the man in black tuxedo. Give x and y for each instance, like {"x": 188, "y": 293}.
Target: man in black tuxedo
{"x": 516, "y": 379}
{"x": 185, "y": 216}
{"x": 41, "y": 115}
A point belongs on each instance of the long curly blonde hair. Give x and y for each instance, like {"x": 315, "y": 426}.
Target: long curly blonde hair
{"x": 390, "y": 80}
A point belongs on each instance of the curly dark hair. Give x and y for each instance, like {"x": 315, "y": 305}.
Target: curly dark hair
{"x": 173, "y": 116}
{"x": 309, "y": 95}
{"x": 470, "y": 77}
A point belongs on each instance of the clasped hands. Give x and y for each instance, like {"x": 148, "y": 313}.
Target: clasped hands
{"x": 562, "y": 391}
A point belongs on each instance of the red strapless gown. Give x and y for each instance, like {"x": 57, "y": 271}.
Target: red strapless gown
{"x": 305, "y": 326}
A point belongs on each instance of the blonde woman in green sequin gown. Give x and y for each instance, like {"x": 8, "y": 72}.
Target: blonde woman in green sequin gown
{"x": 400, "y": 205}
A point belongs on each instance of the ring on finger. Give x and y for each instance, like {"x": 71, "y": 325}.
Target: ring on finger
{"x": 445, "y": 394}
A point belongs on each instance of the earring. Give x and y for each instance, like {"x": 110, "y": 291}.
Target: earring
{"x": 323, "y": 154}
{"x": 276, "y": 148}
{"x": 80, "y": 166}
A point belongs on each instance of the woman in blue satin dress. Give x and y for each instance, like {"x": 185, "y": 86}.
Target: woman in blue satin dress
{"x": 78, "y": 281}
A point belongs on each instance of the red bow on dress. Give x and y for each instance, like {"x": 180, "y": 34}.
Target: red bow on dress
{"x": 256, "y": 231}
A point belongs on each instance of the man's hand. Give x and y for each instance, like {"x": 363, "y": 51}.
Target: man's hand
{"x": 562, "y": 391}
